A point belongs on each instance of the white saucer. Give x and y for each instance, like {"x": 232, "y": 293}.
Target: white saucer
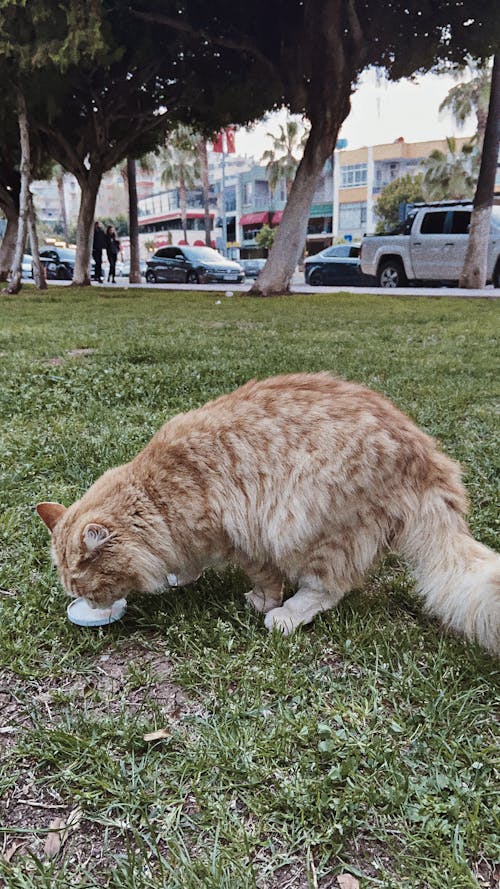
{"x": 80, "y": 612}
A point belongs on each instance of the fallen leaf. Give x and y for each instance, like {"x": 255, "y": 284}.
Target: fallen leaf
{"x": 53, "y": 842}
{"x": 347, "y": 881}
{"x": 9, "y": 853}
{"x": 7, "y": 730}
{"x": 60, "y": 829}
{"x": 158, "y": 735}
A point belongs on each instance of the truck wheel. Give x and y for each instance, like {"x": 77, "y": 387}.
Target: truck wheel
{"x": 391, "y": 274}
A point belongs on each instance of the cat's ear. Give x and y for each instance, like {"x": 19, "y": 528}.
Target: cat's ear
{"x": 95, "y": 535}
{"x": 50, "y": 513}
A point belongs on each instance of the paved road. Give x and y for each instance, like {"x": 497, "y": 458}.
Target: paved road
{"x": 298, "y": 286}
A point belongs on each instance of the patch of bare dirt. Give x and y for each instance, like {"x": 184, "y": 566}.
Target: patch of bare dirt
{"x": 130, "y": 678}
{"x": 57, "y": 360}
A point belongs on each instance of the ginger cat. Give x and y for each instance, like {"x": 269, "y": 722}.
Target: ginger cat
{"x": 304, "y": 478}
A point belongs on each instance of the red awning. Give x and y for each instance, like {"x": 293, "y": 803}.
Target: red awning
{"x": 183, "y": 243}
{"x": 276, "y": 219}
{"x": 199, "y": 244}
{"x": 254, "y": 218}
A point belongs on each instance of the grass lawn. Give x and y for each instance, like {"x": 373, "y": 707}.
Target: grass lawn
{"x": 364, "y": 744}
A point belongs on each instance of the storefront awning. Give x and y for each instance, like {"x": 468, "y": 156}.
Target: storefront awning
{"x": 319, "y": 210}
{"x": 276, "y": 218}
{"x": 254, "y": 218}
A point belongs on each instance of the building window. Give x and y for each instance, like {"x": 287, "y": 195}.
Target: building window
{"x": 247, "y": 193}
{"x": 282, "y": 190}
{"x": 352, "y": 217}
{"x": 353, "y": 174}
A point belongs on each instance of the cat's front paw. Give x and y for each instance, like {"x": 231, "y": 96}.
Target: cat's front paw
{"x": 282, "y": 619}
{"x": 262, "y": 601}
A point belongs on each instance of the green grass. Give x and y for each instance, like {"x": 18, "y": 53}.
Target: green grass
{"x": 365, "y": 743}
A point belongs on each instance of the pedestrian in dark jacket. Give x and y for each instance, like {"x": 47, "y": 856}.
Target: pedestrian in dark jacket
{"x": 98, "y": 245}
{"x": 112, "y": 249}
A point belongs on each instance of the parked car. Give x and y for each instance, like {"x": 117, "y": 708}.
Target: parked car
{"x": 123, "y": 269}
{"x": 252, "y": 267}
{"x": 192, "y": 265}
{"x": 59, "y": 262}
{"x": 338, "y": 265}
{"x": 428, "y": 246}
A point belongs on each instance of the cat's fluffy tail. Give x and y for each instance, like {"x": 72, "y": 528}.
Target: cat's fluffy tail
{"x": 458, "y": 577}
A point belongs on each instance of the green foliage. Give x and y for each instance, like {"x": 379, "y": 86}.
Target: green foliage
{"x": 471, "y": 98}
{"x": 405, "y": 189}
{"x": 365, "y": 743}
{"x": 451, "y": 175}
{"x": 265, "y": 237}
{"x": 178, "y": 158}
{"x": 287, "y": 148}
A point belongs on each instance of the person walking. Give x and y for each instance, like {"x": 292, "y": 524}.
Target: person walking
{"x": 98, "y": 245}
{"x": 112, "y": 249}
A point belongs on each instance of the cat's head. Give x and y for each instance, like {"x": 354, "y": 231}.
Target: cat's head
{"x": 98, "y": 556}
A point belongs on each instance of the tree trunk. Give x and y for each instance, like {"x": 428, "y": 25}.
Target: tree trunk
{"x": 85, "y": 228}
{"x": 205, "y": 185}
{"x": 290, "y": 238}
{"x": 133, "y": 222}
{"x": 62, "y": 204}
{"x": 474, "y": 271}
{"x": 183, "y": 203}
{"x": 38, "y": 269}
{"x": 14, "y": 285}
{"x": 8, "y": 246}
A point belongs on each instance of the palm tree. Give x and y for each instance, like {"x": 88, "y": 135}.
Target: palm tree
{"x": 471, "y": 98}
{"x": 205, "y": 186}
{"x": 283, "y": 158}
{"x": 180, "y": 163}
{"x": 450, "y": 175}
{"x": 128, "y": 172}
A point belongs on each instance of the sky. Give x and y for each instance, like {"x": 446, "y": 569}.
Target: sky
{"x": 381, "y": 111}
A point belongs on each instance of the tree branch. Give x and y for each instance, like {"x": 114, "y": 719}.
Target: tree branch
{"x": 68, "y": 158}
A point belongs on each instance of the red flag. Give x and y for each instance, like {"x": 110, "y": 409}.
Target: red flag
{"x": 231, "y": 140}
{"x": 217, "y": 144}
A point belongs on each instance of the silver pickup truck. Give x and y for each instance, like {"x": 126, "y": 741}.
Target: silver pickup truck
{"x": 428, "y": 246}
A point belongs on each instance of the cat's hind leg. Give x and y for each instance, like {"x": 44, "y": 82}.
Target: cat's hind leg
{"x": 332, "y": 570}
{"x": 267, "y": 592}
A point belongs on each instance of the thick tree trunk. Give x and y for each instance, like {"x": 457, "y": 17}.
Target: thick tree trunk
{"x": 14, "y": 285}
{"x": 205, "y": 185}
{"x": 8, "y": 246}
{"x": 85, "y": 228}
{"x": 62, "y": 204}
{"x": 133, "y": 222}
{"x": 474, "y": 271}
{"x": 38, "y": 269}
{"x": 290, "y": 238}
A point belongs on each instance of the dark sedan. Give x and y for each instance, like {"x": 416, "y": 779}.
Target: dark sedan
{"x": 59, "y": 262}
{"x": 192, "y": 265}
{"x": 337, "y": 266}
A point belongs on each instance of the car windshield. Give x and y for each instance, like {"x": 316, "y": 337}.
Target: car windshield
{"x": 66, "y": 254}
{"x": 203, "y": 254}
